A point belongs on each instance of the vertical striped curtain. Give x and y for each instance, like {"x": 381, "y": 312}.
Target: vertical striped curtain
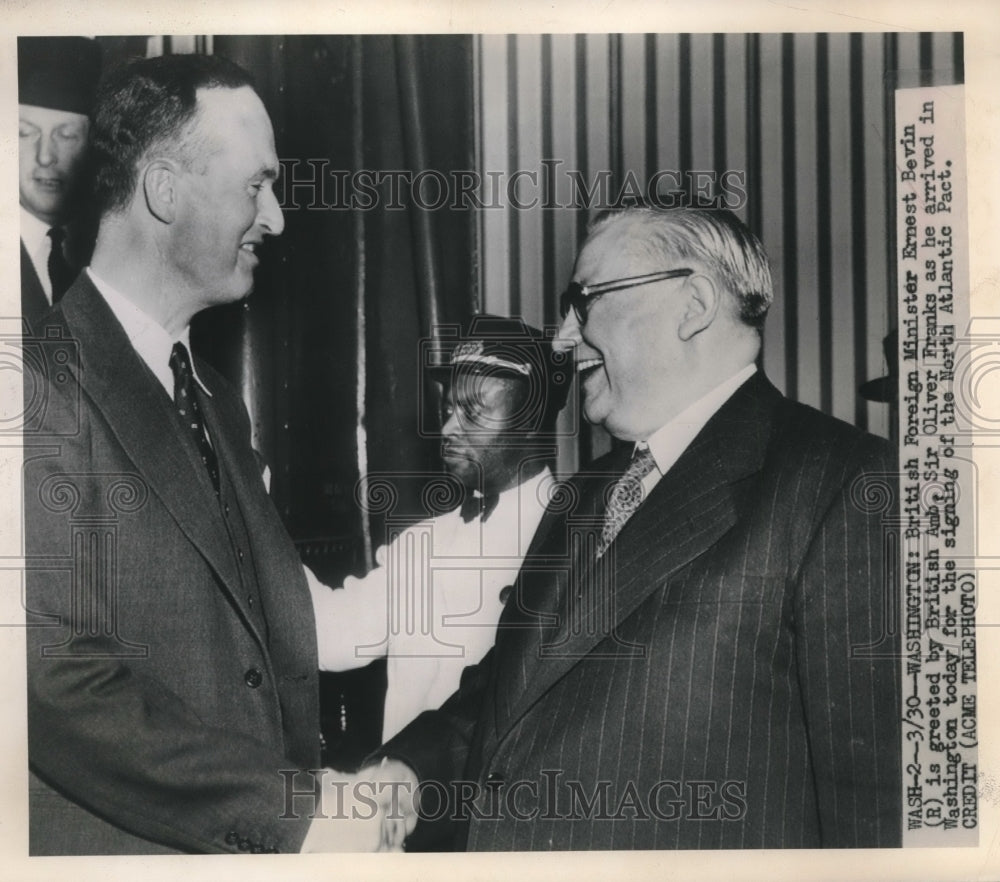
{"x": 800, "y": 123}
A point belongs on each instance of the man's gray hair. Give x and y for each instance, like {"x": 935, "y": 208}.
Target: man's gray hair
{"x": 715, "y": 240}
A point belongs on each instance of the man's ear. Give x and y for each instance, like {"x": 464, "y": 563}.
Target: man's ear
{"x": 701, "y": 305}
{"x": 159, "y": 187}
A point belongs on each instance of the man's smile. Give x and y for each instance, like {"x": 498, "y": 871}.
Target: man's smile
{"x": 587, "y": 367}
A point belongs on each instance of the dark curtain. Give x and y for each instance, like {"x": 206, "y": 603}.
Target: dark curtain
{"x": 327, "y": 350}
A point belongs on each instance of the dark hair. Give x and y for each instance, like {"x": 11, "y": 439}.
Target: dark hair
{"x": 145, "y": 104}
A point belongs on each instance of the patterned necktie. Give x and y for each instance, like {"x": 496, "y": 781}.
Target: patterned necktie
{"x": 190, "y": 410}
{"x": 626, "y": 497}
{"x": 61, "y": 274}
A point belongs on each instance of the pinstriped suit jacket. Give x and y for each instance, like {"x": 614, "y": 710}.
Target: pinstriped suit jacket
{"x": 725, "y": 677}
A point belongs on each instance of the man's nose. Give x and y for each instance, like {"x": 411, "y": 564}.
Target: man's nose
{"x": 47, "y": 152}
{"x": 450, "y": 426}
{"x": 270, "y": 216}
{"x": 568, "y": 335}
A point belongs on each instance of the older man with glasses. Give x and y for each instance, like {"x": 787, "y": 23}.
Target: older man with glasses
{"x": 700, "y": 650}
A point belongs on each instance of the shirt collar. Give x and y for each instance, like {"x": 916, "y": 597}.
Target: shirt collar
{"x": 149, "y": 339}
{"x": 522, "y": 498}
{"x": 519, "y": 509}
{"x": 35, "y": 238}
{"x": 506, "y": 496}
{"x": 669, "y": 441}
{"x": 34, "y": 232}
{"x": 525, "y": 493}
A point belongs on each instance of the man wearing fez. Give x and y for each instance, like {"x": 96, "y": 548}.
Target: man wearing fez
{"x": 57, "y": 77}
{"x": 432, "y": 603}
{"x": 172, "y": 676}
{"x": 701, "y": 652}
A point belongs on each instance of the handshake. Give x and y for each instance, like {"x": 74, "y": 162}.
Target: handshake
{"x": 373, "y": 810}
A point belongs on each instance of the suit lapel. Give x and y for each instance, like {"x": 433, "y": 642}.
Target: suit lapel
{"x": 576, "y": 510}
{"x": 142, "y": 418}
{"x": 691, "y": 508}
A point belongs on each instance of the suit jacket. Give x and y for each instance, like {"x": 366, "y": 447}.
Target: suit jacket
{"x": 726, "y": 676}
{"x": 172, "y": 672}
{"x": 34, "y": 303}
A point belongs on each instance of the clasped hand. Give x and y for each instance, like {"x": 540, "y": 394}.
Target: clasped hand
{"x": 373, "y": 810}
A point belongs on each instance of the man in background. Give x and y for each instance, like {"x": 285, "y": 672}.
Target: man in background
{"x": 698, "y": 654}
{"x": 432, "y": 603}
{"x": 172, "y": 676}
{"x": 57, "y": 78}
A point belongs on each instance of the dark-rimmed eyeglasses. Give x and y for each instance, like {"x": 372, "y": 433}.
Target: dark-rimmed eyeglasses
{"x": 580, "y": 298}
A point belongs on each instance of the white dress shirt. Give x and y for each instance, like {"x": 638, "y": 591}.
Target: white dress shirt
{"x": 432, "y": 603}
{"x": 149, "y": 339}
{"x": 35, "y": 236}
{"x": 669, "y": 441}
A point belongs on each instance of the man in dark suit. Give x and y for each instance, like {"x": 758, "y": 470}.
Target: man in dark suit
{"x": 699, "y": 652}
{"x": 172, "y": 670}
{"x": 57, "y": 78}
